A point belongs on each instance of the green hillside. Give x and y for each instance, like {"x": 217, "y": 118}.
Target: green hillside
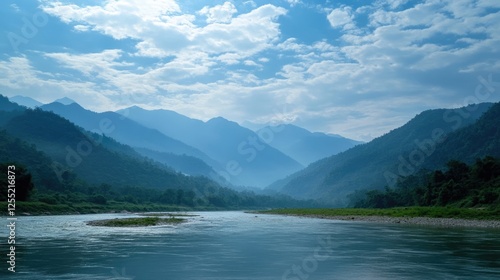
{"x": 380, "y": 162}
{"x": 68, "y": 169}
{"x": 460, "y": 185}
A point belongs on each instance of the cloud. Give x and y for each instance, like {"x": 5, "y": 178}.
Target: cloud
{"x": 368, "y": 70}
{"x": 19, "y": 76}
{"x": 246, "y": 35}
{"x": 341, "y": 18}
{"x": 294, "y": 2}
{"x": 162, "y": 30}
{"x": 15, "y": 7}
{"x": 220, "y": 13}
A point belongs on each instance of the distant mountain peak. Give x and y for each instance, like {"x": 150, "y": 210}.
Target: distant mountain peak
{"x": 218, "y": 119}
{"x": 25, "y": 101}
{"x": 135, "y": 107}
{"x": 70, "y": 106}
{"x": 65, "y": 101}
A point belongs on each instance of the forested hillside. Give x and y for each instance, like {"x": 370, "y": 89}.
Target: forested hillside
{"x": 126, "y": 131}
{"x": 459, "y": 185}
{"x": 382, "y": 161}
{"x": 66, "y": 165}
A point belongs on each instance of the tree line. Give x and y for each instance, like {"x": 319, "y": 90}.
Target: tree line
{"x": 459, "y": 185}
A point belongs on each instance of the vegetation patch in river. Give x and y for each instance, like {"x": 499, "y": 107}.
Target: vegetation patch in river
{"x": 136, "y": 222}
{"x": 167, "y": 214}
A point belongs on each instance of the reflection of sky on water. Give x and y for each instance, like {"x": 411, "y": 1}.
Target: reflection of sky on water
{"x": 235, "y": 245}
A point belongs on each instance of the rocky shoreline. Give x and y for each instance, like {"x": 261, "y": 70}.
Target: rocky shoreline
{"x": 425, "y": 221}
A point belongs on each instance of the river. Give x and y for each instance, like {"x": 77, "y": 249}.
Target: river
{"x": 241, "y": 246}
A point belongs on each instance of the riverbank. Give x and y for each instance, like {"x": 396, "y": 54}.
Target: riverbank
{"x": 428, "y": 216}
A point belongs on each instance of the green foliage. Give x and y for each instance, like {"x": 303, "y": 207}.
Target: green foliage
{"x": 460, "y": 185}
{"x": 98, "y": 199}
{"x": 136, "y": 222}
{"x": 15, "y": 150}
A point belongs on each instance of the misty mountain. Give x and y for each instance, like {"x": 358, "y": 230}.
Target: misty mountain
{"x": 69, "y": 165}
{"x": 72, "y": 149}
{"x": 6, "y": 105}
{"x": 471, "y": 142}
{"x": 39, "y": 164}
{"x": 182, "y": 163}
{"x": 379, "y": 163}
{"x": 8, "y": 110}
{"x": 65, "y": 101}
{"x": 25, "y": 101}
{"x": 245, "y": 158}
{"x": 125, "y": 131}
{"x": 305, "y": 146}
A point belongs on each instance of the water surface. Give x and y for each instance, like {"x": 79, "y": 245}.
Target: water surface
{"x": 241, "y": 246}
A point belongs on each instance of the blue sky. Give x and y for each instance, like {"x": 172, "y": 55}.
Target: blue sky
{"x": 355, "y": 68}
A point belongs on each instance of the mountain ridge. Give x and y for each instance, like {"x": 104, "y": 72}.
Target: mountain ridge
{"x": 125, "y": 130}
{"x": 245, "y": 159}
{"x": 365, "y": 165}
{"x": 304, "y": 146}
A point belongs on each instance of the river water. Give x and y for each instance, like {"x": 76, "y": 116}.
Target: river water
{"x": 241, "y": 246}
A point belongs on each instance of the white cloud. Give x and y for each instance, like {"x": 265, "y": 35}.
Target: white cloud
{"x": 82, "y": 28}
{"x": 238, "y": 64}
{"x": 220, "y": 13}
{"x": 394, "y": 4}
{"x": 162, "y": 30}
{"x": 19, "y": 77}
{"x": 250, "y": 63}
{"x": 293, "y": 2}
{"x": 15, "y": 7}
{"x": 247, "y": 34}
{"x": 341, "y": 18}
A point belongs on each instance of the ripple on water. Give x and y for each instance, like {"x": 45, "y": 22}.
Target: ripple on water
{"x": 235, "y": 245}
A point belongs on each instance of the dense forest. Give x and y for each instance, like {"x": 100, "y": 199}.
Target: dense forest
{"x": 460, "y": 185}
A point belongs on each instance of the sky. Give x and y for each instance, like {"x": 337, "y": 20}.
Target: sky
{"x": 354, "y": 68}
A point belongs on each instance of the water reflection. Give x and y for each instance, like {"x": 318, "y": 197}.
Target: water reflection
{"x": 235, "y": 245}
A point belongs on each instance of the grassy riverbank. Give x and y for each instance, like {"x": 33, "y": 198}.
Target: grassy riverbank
{"x": 406, "y": 212}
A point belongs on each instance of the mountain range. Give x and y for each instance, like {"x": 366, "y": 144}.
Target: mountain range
{"x": 304, "y": 146}
{"x": 429, "y": 140}
{"x": 219, "y": 149}
{"x": 244, "y": 157}
{"x": 77, "y": 170}
{"x": 135, "y": 135}
{"x": 273, "y": 155}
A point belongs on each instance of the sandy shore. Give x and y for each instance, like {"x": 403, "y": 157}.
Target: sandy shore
{"x": 439, "y": 222}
